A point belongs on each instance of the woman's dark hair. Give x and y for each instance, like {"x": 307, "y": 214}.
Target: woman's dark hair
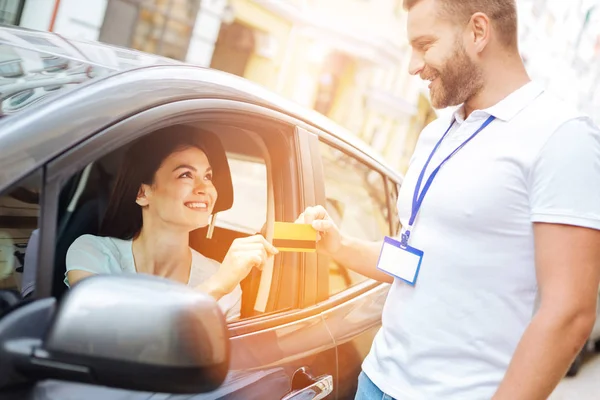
{"x": 123, "y": 217}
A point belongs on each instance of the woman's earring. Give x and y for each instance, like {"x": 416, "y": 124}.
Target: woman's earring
{"x": 211, "y": 226}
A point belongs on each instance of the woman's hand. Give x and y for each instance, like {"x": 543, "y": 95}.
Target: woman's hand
{"x": 243, "y": 255}
{"x": 329, "y": 238}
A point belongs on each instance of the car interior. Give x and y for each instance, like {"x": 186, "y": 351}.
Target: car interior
{"x": 84, "y": 199}
{"x": 19, "y": 211}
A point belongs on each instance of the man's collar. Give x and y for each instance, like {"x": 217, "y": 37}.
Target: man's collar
{"x": 507, "y": 108}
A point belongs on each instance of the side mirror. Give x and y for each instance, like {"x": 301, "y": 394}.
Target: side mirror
{"x": 133, "y": 332}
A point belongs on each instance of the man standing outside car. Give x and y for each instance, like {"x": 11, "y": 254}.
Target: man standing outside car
{"x": 495, "y": 279}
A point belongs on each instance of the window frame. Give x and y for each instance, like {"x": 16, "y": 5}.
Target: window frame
{"x": 393, "y": 190}
{"x": 317, "y": 162}
{"x": 123, "y": 132}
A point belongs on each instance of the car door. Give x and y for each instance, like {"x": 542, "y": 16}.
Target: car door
{"x": 286, "y": 338}
{"x": 359, "y": 194}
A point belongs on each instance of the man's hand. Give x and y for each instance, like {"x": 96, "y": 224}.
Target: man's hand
{"x": 358, "y": 255}
{"x": 329, "y": 238}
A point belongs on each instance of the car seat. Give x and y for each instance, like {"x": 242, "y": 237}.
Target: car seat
{"x": 84, "y": 219}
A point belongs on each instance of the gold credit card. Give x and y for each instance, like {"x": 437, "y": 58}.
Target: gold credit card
{"x": 289, "y": 236}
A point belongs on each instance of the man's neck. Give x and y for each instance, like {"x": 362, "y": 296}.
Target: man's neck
{"x": 499, "y": 83}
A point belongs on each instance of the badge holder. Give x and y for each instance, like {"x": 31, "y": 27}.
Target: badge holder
{"x": 400, "y": 260}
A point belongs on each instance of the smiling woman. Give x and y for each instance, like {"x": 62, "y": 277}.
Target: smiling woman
{"x": 170, "y": 183}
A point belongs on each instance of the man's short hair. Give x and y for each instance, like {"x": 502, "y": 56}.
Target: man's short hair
{"x": 502, "y": 14}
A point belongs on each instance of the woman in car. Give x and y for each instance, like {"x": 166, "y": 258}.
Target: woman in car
{"x": 170, "y": 183}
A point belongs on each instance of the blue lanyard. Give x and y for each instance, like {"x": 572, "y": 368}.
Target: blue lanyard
{"x": 418, "y": 197}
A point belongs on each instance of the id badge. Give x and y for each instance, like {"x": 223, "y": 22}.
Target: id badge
{"x": 402, "y": 262}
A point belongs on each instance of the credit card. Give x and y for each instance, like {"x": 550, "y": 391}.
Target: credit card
{"x": 292, "y": 237}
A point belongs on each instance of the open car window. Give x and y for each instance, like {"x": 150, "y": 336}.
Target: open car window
{"x": 356, "y": 201}
{"x": 249, "y": 211}
{"x": 86, "y": 194}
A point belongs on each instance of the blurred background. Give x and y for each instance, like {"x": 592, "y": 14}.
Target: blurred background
{"x": 347, "y": 59}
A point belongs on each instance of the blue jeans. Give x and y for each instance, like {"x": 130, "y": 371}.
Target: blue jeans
{"x": 367, "y": 390}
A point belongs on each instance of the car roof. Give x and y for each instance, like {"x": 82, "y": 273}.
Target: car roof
{"x": 169, "y": 79}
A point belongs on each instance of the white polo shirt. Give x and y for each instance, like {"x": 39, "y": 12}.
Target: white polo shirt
{"x": 452, "y": 336}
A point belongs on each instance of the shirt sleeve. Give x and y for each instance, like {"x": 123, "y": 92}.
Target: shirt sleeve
{"x": 565, "y": 177}
{"x": 86, "y": 254}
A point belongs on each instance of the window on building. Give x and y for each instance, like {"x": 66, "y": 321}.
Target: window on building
{"x": 162, "y": 27}
{"x": 234, "y": 47}
{"x": 356, "y": 201}
{"x": 11, "y": 11}
{"x": 165, "y": 27}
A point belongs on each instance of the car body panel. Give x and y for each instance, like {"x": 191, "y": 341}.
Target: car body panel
{"x": 353, "y": 325}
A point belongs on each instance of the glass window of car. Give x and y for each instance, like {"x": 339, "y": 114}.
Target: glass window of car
{"x": 249, "y": 176}
{"x": 85, "y": 196}
{"x": 356, "y": 201}
{"x": 19, "y": 235}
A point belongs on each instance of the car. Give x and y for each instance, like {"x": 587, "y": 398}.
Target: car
{"x": 68, "y": 109}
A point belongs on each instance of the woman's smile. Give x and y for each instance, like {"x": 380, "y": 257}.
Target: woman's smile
{"x": 197, "y": 205}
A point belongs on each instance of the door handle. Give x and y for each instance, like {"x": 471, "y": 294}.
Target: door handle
{"x": 305, "y": 387}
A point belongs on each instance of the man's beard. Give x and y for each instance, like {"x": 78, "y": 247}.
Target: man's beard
{"x": 457, "y": 81}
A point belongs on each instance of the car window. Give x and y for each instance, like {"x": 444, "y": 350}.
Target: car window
{"x": 28, "y": 77}
{"x": 356, "y": 201}
{"x": 19, "y": 235}
{"x": 249, "y": 211}
{"x": 87, "y": 194}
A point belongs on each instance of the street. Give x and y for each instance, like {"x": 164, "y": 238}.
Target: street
{"x": 584, "y": 386}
